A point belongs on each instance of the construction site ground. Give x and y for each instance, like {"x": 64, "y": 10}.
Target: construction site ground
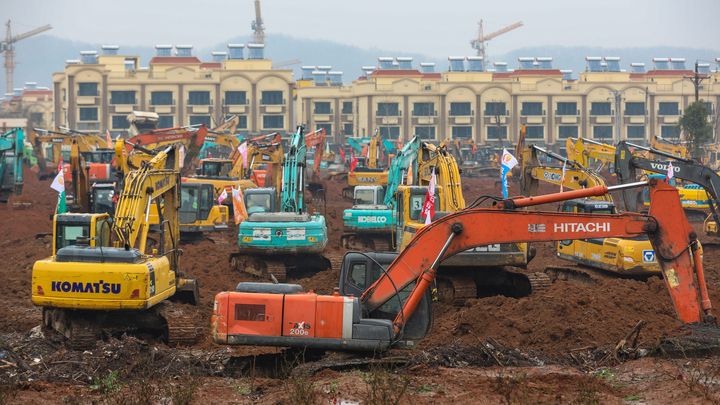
{"x": 563, "y": 346}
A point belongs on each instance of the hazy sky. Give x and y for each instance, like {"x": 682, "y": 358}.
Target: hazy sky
{"x": 435, "y": 28}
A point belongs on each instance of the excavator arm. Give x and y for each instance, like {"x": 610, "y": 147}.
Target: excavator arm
{"x": 191, "y": 139}
{"x": 438, "y": 159}
{"x": 80, "y": 181}
{"x": 400, "y": 166}
{"x": 671, "y": 235}
{"x": 627, "y": 165}
{"x": 374, "y": 150}
{"x": 582, "y": 150}
{"x": 156, "y": 179}
{"x": 316, "y": 139}
{"x": 294, "y": 174}
{"x": 575, "y": 176}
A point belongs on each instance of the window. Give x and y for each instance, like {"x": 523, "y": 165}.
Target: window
{"x": 87, "y": 89}
{"x": 424, "y": 109}
{"x": 358, "y": 274}
{"x": 390, "y": 132}
{"x": 495, "y": 133}
{"x": 635, "y": 108}
{"x": 326, "y": 127}
{"x": 199, "y": 98}
{"x": 600, "y": 109}
{"x": 567, "y": 108}
{"x": 322, "y": 107}
{"x": 668, "y": 108}
{"x": 531, "y": 108}
{"x": 425, "y": 132}
{"x": 602, "y": 132}
{"x": 495, "y": 108}
{"x": 166, "y": 121}
{"x": 535, "y": 132}
{"x": 235, "y": 98}
{"x": 347, "y": 107}
{"x": 464, "y": 132}
{"x": 120, "y": 122}
{"x": 88, "y": 114}
{"x": 242, "y": 121}
{"x": 460, "y": 109}
{"x": 273, "y": 121}
{"x": 388, "y": 110}
{"x": 122, "y": 97}
{"x": 36, "y": 117}
{"x": 250, "y": 312}
{"x": 348, "y": 129}
{"x": 670, "y": 131}
{"x": 708, "y": 107}
{"x": 636, "y": 132}
{"x": 567, "y": 131}
{"x": 272, "y": 97}
{"x": 200, "y": 120}
{"x": 161, "y": 98}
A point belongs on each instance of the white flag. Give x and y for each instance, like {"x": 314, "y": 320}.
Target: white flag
{"x": 508, "y": 160}
{"x": 222, "y": 196}
{"x": 670, "y": 172}
{"x": 58, "y": 183}
{"x": 428, "y": 210}
{"x": 243, "y": 150}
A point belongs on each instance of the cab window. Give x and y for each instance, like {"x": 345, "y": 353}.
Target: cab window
{"x": 68, "y": 234}
{"x": 358, "y": 275}
{"x": 416, "y": 203}
{"x": 364, "y": 197}
{"x": 188, "y": 199}
{"x": 257, "y": 203}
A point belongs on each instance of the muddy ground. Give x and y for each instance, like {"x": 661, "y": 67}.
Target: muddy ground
{"x": 558, "y": 347}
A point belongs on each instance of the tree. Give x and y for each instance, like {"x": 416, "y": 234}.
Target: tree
{"x": 697, "y": 129}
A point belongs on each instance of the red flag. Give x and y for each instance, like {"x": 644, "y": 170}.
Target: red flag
{"x": 428, "y": 209}
{"x": 353, "y": 162}
{"x": 342, "y": 154}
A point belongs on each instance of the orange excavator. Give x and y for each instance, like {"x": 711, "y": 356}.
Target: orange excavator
{"x": 394, "y": 305}
{"x": 315, "y": 141}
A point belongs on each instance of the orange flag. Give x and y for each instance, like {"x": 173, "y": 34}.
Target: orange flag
{"x": 239, "y": 211}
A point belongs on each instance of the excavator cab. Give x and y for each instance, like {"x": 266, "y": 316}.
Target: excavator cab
{"x": 80, "y": 229}
{"x": 101, "y": 198}
{"x": 260, "y": 200}
{"x": 198, "y": 212}
{"x": 215, "y": 168}
{"x": 360, "y": 270}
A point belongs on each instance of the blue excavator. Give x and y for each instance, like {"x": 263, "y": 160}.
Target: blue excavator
{"x": 283, "y": 235}
{"x": 12, "y": 152}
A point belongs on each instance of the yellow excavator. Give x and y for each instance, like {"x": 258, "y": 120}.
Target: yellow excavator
{"x": 103, "y": 278}
{"x": 590, "y": 154}
{"x": 471, "y": 273}
{"x": 626, "y": 257}
{"x": 368, "y": 171}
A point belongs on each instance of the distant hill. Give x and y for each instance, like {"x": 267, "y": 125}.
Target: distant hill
{"x": 38, "y": 57}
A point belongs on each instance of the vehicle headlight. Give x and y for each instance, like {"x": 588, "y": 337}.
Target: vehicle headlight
{"x": 312, "y": 239}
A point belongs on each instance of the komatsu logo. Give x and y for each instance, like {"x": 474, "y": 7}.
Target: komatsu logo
{"x": 582, "y": 227}
{"x": 162, "y": 183}
{"x": 100, "y": 287}
{"x": 663, "y": 167}
{"x": 372, "y": 220}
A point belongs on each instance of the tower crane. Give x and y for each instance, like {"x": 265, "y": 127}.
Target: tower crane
{"x": 8, "y": 48}
{"x": 479, "y": 43}
{"x": 258, "y": 26}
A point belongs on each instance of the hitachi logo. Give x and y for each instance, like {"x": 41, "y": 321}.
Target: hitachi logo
{"x": 374, "y": 220}
{"x": 581, "y": 227}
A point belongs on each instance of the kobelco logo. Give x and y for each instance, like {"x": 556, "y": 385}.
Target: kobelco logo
{"x": 372, "y": 220}
{"x": 552, "y": 176}
{"x": 663, "y": 167}
{"x": 581, "y": 227}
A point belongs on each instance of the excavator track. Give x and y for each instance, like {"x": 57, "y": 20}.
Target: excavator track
{"x": 335, "y": 258}
{"x": 82, "y": 335}
{"x": 363, "y": 242}
{"x": 259, "y": 267}
{"x": 180, "y": 323}
{"x": 456, "y": 289}
{"x": 277, "y": 269}
{"x": 539, "y": 282}
{"x": 567, "y": 273}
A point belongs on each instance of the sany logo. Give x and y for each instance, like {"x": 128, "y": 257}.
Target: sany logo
{"x": 366, "y": 179}
{"x": 582, "y": 227}
{"x": 663, "y": 167}
{"x": 374, "y": 220}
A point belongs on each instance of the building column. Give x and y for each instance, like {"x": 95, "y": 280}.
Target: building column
{"x": 104, "y": 113}
{"x": 443, "y": 118}
{"x": 515, "y": 121}
{"x": 143, "y": 97}
{"x": 57, "y": 101}
{"x": 584, "y": 130}
{"x": 181, "y": 106}
{"x": 254, "y": 109}
{"x": 406, "y": 119}
{"x": 336, "y": 124}
{"x": 651, "y": 129}
{"x": 478, "y": 120}
{"x": 369, "y": 115}
{"x": 291, "y": 109}
{"x": 550, "y": 122}
{"x": 219, "y": 116}
{"x": 72, "y": 104}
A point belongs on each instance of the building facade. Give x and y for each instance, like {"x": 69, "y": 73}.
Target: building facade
{"x": 32, "y": 103}
{"x": 97, "y": 92}
{"x": 489, "y": 106}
